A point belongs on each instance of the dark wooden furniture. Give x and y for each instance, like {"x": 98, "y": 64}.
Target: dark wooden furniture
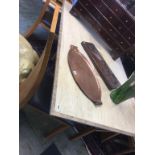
{"x": 112, "y": 20}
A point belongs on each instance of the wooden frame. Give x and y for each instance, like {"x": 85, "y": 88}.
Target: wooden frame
{"x": 28, "y": 87}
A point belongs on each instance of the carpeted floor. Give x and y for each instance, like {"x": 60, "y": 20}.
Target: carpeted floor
{"x": 33, "y": 125}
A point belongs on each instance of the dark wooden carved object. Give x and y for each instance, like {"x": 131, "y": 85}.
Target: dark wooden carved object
{"x": 113, "y": 20}
{"x": 83, "y": 75}
{"x": 101, "y": 66}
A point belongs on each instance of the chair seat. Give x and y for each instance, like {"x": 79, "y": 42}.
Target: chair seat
{"x": 28, "y": 13}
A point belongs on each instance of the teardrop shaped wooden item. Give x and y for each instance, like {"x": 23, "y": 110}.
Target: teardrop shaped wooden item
{"x": 83, "y": 75}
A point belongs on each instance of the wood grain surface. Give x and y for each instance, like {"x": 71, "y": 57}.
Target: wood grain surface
{"x": 67, "y": 99}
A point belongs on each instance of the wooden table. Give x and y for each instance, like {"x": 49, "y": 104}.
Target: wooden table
{"x": 69, "y": 102}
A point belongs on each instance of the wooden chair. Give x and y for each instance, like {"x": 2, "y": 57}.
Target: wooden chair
{"x": 27, "y": 26}
{"x": 30, "y": 85}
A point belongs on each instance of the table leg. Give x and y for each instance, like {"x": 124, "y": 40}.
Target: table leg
{"x": 110, "y": 137}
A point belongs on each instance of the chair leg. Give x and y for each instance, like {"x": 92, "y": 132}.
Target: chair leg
{"x": 110, "y": 137}
{"x": 45, "y": 27}
{"x": 126, "y": 152}
{"x": 83, "y": 133}
{"x": 56, "y": 131}
{"x": 131, "y": 142}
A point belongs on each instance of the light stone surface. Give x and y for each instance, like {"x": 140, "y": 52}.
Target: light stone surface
{"x": 69, "y": 102}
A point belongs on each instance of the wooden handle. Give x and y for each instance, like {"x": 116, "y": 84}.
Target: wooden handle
{"x": 55, "y": 18}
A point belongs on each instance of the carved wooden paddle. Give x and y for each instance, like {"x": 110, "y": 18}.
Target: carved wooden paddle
{"x": 101, "y": 66}
{"x": 84, "y": 76}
